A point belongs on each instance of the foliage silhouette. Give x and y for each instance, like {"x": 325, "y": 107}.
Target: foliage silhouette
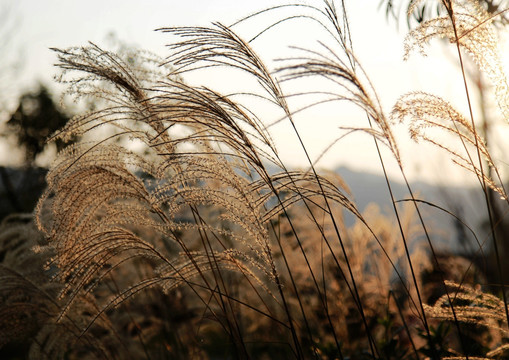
{"x": 35, "y": 119}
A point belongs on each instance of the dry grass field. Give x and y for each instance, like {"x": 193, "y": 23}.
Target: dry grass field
{"x": 200, "y": 243}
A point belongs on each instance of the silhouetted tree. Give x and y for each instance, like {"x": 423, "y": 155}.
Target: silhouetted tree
{"x": 36, "y": 117}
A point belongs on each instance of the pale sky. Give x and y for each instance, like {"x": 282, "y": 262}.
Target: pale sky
{"x": 377, "y": 43}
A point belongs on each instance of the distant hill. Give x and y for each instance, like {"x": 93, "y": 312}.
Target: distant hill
{"x": 464, "y": 201}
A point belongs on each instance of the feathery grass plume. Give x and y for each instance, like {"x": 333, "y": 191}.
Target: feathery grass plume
{"x": 420, "y": 11}
{"x": 469, "y": 27}
{"x": 200, "y": 148}
{"x": 424, "y": 112}
{"x": 474, "y": 31}
{"x": 479, "y": 310}
{"x": 346, "y": 74}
